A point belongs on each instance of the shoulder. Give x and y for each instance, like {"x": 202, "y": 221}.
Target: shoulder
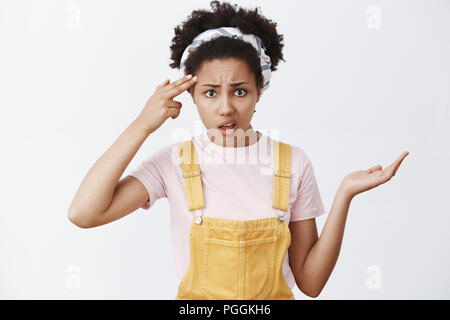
{"x": 298, "y": 155}
{"x": 301, "y": 162}
{"x": 163, "y": 157}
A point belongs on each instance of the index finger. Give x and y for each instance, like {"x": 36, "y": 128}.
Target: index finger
{"x": 182, "y": 86}
{"x": 179, "y": 81}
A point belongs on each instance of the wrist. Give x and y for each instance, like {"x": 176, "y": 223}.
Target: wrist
{"x": 344, "y": 193}
{"x": 140, "y": 125}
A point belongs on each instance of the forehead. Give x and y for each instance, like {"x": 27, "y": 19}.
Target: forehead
{"x": 225, "y": 69}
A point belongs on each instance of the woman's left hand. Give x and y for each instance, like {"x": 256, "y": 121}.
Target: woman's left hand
{"x": 363, "y": 180}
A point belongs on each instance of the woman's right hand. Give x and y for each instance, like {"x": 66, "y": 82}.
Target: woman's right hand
{"x": 161, "y": 106}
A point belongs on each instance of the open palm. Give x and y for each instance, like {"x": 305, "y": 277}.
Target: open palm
{"x": 363, "y": 180}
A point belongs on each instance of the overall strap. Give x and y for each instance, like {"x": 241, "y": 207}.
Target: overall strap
{"x": 191, "y": 174}
{"x": 282, "y": 175}
{"x": 193, "y": 182}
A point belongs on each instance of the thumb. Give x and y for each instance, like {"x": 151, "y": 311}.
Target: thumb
{"x": 175, "y": 113}
{"x": 374, "y": 168}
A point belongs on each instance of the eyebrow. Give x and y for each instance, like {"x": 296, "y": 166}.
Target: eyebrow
{"x": 217, "y": 86}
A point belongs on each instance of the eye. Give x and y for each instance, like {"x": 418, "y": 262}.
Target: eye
{"x": 207, "y": 93}
{"x": 237, "y": 90}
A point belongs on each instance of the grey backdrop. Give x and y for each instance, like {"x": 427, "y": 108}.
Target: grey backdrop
{"x": 363, "y": 81}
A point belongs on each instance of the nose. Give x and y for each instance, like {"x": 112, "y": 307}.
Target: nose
{"x": 225, "y": 107}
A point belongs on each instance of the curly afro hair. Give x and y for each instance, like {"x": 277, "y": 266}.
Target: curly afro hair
{"x": 227, "y": 15}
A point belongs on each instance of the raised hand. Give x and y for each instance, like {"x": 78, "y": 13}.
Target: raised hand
{"x": 161, "y": 106}
{"x": 363, "y": 180}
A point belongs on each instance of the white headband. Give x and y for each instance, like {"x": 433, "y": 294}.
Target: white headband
{"x": 234, "y": 33}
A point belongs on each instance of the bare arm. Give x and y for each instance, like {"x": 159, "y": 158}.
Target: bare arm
{"x": 314, "y": 259}
{"x": 303, "y": 237}
{"x": 101, "y": 198}
{"x": 96, "y": 191}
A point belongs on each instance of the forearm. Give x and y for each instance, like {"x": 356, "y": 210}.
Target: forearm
{"x": 323, "y": 255}
{"x": 96, "y": 191}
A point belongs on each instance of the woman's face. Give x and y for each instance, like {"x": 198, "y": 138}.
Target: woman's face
{"x": 226, "y": 91}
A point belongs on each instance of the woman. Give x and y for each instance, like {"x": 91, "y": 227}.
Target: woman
{"x": 241, "y": 229}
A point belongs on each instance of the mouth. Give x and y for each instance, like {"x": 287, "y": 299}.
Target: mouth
{"x": 229, "y": 129}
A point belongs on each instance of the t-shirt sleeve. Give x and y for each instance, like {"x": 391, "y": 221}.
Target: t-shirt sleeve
{"x": 151, "y": 173}
{"x": 308, "y": 203}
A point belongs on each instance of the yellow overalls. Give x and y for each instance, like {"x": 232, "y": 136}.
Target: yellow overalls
{"x": 233, "y": 259}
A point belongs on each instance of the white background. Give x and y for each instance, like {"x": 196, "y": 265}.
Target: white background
{"x": 363, "y": 81}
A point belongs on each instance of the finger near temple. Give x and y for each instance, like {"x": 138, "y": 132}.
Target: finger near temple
{"x": 182, "y": 87}
{"x": 180, "y": 81}
{"x": 165, "y": 83}
{"x": 186, "y": 85}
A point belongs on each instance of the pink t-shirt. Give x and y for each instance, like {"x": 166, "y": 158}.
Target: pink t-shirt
{"x": 237, "y": 184}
